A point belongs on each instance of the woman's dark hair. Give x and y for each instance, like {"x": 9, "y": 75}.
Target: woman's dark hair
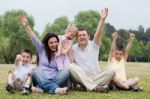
{"x": 49, "y": 53}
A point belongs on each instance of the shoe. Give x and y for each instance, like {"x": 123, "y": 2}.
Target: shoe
{"x": 137, "y": 88}
{"x": 25, "y": 91}
{"x": 102, "y": 89}
{"x": 61, "y": 91}
{"x": 10, "y": 88}
{"x": 113, "y": 87}
{"x": 80, "y": 88}
{"x": 37, "y": 90}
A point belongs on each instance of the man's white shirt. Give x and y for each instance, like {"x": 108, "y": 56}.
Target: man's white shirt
{"x": 87, "y": 59}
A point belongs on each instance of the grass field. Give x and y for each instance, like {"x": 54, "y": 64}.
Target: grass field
{"x": 142, "y": 70}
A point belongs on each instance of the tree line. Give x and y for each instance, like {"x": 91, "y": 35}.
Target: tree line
{"x": 13, "y": 37}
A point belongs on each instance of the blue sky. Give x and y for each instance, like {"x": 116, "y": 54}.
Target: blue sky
{"x": 127, "y": 14}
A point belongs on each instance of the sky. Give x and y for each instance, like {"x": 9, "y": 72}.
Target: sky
{"x": 126, "y": 14}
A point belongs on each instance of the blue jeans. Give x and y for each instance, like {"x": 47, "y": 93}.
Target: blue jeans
{"x": 49, "y": 85}
{"x": 62, "y": 77}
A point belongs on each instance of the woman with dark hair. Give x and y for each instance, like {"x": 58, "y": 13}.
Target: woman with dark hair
{"x": 48, "y": 76}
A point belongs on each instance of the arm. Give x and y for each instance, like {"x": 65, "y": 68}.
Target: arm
{"x": 68, "y": 48}
{"x": 18, "y": 58}
{"x": 25, "y": 23}
{"x": 70, "y": 55}
{"x": 98, "y": 34}
{"x": 131, "y": 38}
{"x": 113, "y": 45}
{"x": 30, "y": 33}
{"x": 58, "y": 50}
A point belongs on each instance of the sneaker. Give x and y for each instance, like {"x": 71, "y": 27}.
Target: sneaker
{"x": 102, "y": 89}
{"x": 25, "y": 91}
{"x": 137, "y": 88}
{"x": 37, "y": 90}
{"x": 10, "y": 88}
{"x": 80, "y": 88}
{"x": 113, "y": 87}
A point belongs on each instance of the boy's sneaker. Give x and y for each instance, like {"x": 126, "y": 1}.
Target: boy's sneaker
{"x": 102, "y": 89}
{"x": 112, "y": 87}
{"x": 137, "y": 88}
{"x": 36, "y": 90}
{"x": 80, "y": 87}
{"x": 25, "y": 91}
{"x": 10, "y": 88}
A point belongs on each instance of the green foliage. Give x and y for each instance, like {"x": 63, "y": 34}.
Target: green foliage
{"x": 58, "y": 26}
{"x": 13, "y": 37}
{"x": 105, "y": 48}
{"x": 88, "y": 19}
{"x": 109, "y": 30}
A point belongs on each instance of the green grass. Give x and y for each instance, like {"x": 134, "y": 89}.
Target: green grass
{"x": 142, "y": 70}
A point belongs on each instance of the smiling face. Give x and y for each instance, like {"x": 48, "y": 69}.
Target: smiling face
{"x": 53, "y": 44}
{"x": 71, "y": 31}
{"x": 118, "y": 54}
{"x": 82, "y": 37}
{"x": 26, "y": 58}
{"x": 70, "y": 34}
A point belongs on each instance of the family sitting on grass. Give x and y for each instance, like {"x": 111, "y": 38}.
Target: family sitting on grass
{"x": 62, "y": 65}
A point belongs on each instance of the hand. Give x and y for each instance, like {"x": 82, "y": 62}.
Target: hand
{"x": 104, "y": 13}
{"x": 115, "y": 35}
{"x": 132, "y": 36}
{"x": 23, "y": 20}
{"x": 56, "y": 54}
{"x": 18, "y": 57}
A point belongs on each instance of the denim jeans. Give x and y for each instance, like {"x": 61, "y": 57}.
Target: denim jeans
{"x": 62, "y": 77}
{"x": 49, "y": 85}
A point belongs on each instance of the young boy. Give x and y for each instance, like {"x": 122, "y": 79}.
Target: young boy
{"x": 117, "y": 59}
{"x": 21, "y": 78}
{"x": 65, "y": 45}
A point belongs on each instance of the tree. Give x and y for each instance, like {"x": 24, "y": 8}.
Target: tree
{"x": 105, "y": 48}
{"x": 88, "y": 19}
{"x": 58, "y": 27}
{"x": 13, "y": 38}
{"x": 109, "y": 29}
{"x": 147, "y": 51}
{"x": 123, "y": 37}
{"x": 137, "y": 50}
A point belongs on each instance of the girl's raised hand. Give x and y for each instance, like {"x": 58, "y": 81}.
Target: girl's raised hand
{"x": 132, "y": 36}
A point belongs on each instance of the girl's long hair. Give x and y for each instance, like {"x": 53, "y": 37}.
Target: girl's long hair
{"x": 48, "y": 51}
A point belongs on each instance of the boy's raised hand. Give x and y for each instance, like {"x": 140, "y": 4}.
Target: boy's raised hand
{"x": 18, "y": 57}
{"x": 23, "y": 20}
{"x": 104, "y": 13}
{"x": 132, "y": 36}
{"x": 115, "y": 35}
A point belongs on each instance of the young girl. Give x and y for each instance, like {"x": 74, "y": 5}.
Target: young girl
{"x": 65, "y": 45}
{"x": 117, "y": 59}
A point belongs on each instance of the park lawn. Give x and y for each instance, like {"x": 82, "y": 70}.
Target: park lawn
{"x": 142, "y": 70}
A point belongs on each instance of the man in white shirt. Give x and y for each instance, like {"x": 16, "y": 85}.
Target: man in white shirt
{"x": 85, "y": 69}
